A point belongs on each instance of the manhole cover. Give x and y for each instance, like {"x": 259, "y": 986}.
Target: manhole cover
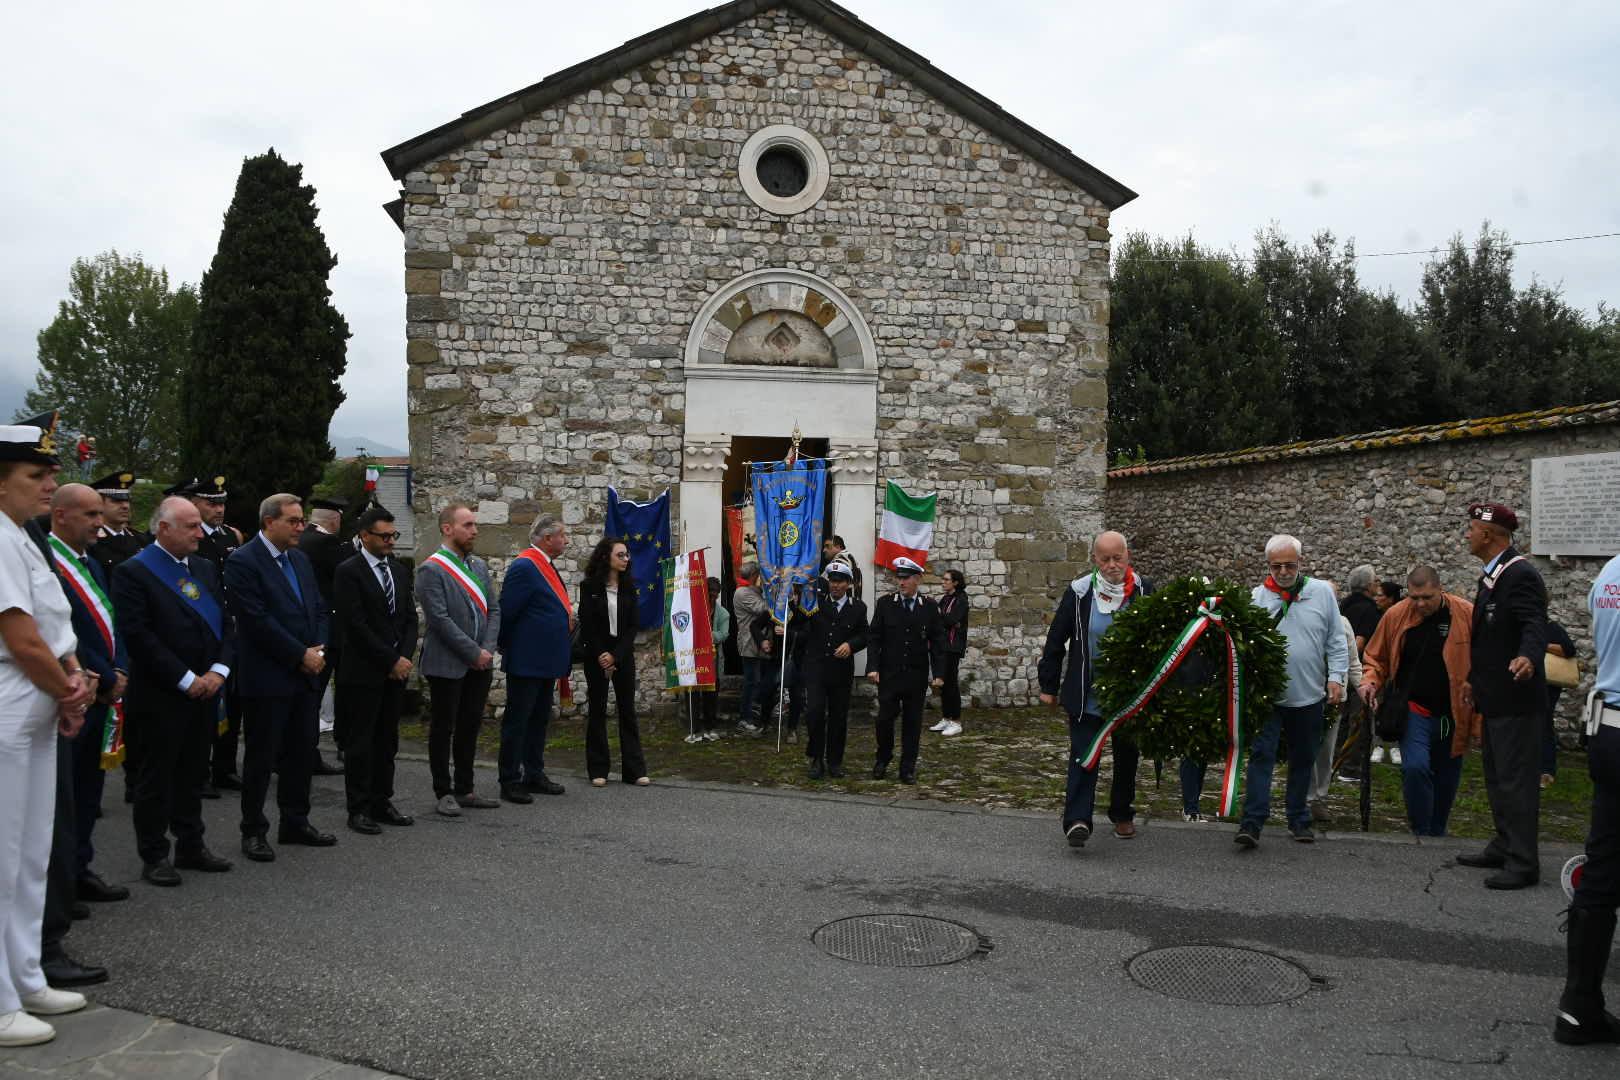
{"x": 899, "y": 940}
{"x": 1219, "y": 975}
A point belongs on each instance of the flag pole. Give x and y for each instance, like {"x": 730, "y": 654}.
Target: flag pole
{"x": 781, "y": 690}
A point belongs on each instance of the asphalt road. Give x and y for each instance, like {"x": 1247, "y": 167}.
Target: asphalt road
{"x": 666, "y": 931}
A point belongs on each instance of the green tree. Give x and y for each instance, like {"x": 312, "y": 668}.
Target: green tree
{"x": 1194, "y": 362}
{"x": 269, "y": 347}
{"x": 112, "y": 361}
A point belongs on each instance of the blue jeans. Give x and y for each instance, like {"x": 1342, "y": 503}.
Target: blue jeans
{"x": 1429, "y": 774}
{"x": 1192, "y": 784}
{"x": 1080, "y": 796}
{"x": 1304, "y": 726}
{"x": 523, "y": 729}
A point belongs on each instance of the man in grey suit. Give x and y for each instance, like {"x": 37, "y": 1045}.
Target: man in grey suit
{"x": 462, "y": 615}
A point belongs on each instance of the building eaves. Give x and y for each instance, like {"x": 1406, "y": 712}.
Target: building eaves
{"x": 570, "y": 82}
{"x": 1602, "y": 412}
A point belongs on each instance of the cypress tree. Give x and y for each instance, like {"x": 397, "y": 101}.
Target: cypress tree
{"x": 268, "y": 348}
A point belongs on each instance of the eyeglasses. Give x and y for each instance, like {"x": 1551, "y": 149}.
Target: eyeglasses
{"x": 1284, "y": 565}
{"x": 384, "y": 535}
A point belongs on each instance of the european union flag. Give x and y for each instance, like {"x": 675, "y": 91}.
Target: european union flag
{"x": 644, "y": 527}
{"x": 789, "y": 502}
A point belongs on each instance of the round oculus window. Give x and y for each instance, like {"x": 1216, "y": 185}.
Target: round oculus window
{"x": 782, "y": 171}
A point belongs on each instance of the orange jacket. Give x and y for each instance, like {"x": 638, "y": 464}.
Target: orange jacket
{"x": 1382, "y": 660}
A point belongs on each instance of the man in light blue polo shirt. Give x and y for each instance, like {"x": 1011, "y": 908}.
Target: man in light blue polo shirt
{"x": 1581, "y": 1015}
{"x": 1306, "y": 613}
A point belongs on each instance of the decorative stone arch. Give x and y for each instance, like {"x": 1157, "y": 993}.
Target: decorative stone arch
{"x": 793, "y": 299}
{"x": 828, "y": 393}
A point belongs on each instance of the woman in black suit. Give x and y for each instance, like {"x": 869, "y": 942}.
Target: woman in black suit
{"x": 608, "y": 622}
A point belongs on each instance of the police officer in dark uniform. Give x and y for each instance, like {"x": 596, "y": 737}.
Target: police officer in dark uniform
{"x": 1581, "y": 1014}
{"x": 829, "y": 639}
{"x": 116, "y": 540}
{"x": 904, "y": 645}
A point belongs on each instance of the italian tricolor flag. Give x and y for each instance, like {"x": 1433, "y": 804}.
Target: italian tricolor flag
{"x": 907, "y": 529}
{"x": 688, "y": 636}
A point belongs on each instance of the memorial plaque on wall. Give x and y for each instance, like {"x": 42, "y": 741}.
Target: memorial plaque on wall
{"x": 1575, "y": 505}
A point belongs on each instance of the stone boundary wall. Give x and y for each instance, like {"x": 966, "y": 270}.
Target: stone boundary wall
{"x": 1393, "y": 507}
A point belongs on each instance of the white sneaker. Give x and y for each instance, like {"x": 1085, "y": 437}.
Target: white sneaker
{"x": 20, "y": 1029}
{"x": 1394, "y": 755}
{"x": 711, "y": 735}
{"x": 693, "y": 738}
{"x": 53, "y": 1002}
{"x": 447, "y": 806}
{"x": 1195, "y": 819}
{"x": 952, "y": 728}
{"x": 941, "y": 726}
{"x": 1378, "y": 755}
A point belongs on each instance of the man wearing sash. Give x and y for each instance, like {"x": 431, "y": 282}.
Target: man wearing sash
{"x": 1306, "y": 612}
{"x": 271, "y": 591}
{"x": 537, "y": 625}
{"x": 1508, "y": 688}
{"x": 75, "y": 517}
{"x": 461, "y": 620}
{"x": 1083, "y": 616}
{"x": 171, "y": 614}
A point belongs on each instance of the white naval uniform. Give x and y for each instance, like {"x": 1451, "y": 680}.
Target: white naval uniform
{"x": 27, "y": 763}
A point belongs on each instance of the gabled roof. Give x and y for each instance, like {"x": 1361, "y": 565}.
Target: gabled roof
{"x": 1598, "y": 412}
{"x": 570, "y": 82}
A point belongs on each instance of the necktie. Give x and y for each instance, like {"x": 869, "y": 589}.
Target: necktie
{"x": 290, "y": 575}
{"x": 911, "y": 605}
{"x": 387, "y": 585}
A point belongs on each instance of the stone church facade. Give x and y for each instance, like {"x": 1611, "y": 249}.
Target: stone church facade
{"x": 654, "y": 265}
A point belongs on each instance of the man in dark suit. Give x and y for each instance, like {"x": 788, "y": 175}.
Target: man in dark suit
{"x": 271, "y": 592}
{"x": 905, "y": 643}
{"x": 75, "y": 517}
{"x": 171, "y": 612}
{"x": 322, "y": 541}
{"x": 536, "y": 623}
{"x": 375, "y": 626}
{"x": 830, "y": 639}
{"x": 1508, "y": 687}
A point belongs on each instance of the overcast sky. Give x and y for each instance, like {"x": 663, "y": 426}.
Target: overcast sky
{"x": 1397, "y": 124}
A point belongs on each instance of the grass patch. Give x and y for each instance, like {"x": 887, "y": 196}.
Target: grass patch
{"x": 1016, "y": 759}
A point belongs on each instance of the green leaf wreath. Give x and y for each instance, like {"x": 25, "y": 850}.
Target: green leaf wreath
{"x": 1187, "y": 717}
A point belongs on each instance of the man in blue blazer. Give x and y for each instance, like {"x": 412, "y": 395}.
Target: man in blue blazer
{"x": 75, "y": 517}
{"x": 537, "y": 624}
{"x": 272, "y": 593}
{"x": 171, "y": 612}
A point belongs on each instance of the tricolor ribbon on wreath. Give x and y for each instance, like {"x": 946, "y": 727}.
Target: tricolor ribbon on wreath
{"x": 1208, "y": 616}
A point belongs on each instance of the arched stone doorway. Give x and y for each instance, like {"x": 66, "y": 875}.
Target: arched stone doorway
{"x": 770, "y": 351}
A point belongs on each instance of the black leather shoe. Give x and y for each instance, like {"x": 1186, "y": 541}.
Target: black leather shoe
{"x": 160, "y": 873}
{"x": 258, "y": 849}
{"x": 543, "y": 786}
{"x": 908, "y": 777}
{"x": 360, "y": 823}
{"x": 514, "y": 794}
{"x": 880, "y": 770}
{"x": 202, "y": 859}
{"x": 1482, "y": 861}
{"x": 388, "y": 814}
{"x": 1511, "y": 879}
{"x": 228, "y": 782}
{"x": 92, "y": 888}
{"x": 322, "y": 768}
{"x": 815, "y": 770}
{"x": 835, "y": 771}
{"x": 208, "y": 791}
{"x": 304, "y": 834}
{"x": 63, "y": 970}
{"x": 79, "y": 910}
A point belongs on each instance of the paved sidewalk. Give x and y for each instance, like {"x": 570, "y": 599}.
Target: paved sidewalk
{"x": 113, "y": 1043}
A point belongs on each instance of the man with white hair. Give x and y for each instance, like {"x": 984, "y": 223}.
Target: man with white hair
{"x": 1306, "y": 613}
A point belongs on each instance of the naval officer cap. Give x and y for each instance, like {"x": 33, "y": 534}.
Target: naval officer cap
{"x": 1496, "y": 514}
{"x": 33, "y": 441}
{"x": 904, "y": 567}
{"x": 115, "y": 486}
{"x": 840, "y": 570}
{"x": 329, "y": 502}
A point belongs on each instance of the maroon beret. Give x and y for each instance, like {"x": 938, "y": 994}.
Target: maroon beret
{"x": 1496, "y": 514}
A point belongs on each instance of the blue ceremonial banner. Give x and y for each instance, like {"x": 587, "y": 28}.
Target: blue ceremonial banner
{"x": 645, "y": 530}
{"x": 789, "y": 503}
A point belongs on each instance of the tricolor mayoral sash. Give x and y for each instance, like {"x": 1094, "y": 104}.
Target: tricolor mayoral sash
{"x": 462, "y": 575}
{"x": 161, "y": 565}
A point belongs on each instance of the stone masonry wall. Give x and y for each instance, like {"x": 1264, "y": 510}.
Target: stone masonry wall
{"x": 1393, "y": 508}
{"x": 553, "y": 270}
